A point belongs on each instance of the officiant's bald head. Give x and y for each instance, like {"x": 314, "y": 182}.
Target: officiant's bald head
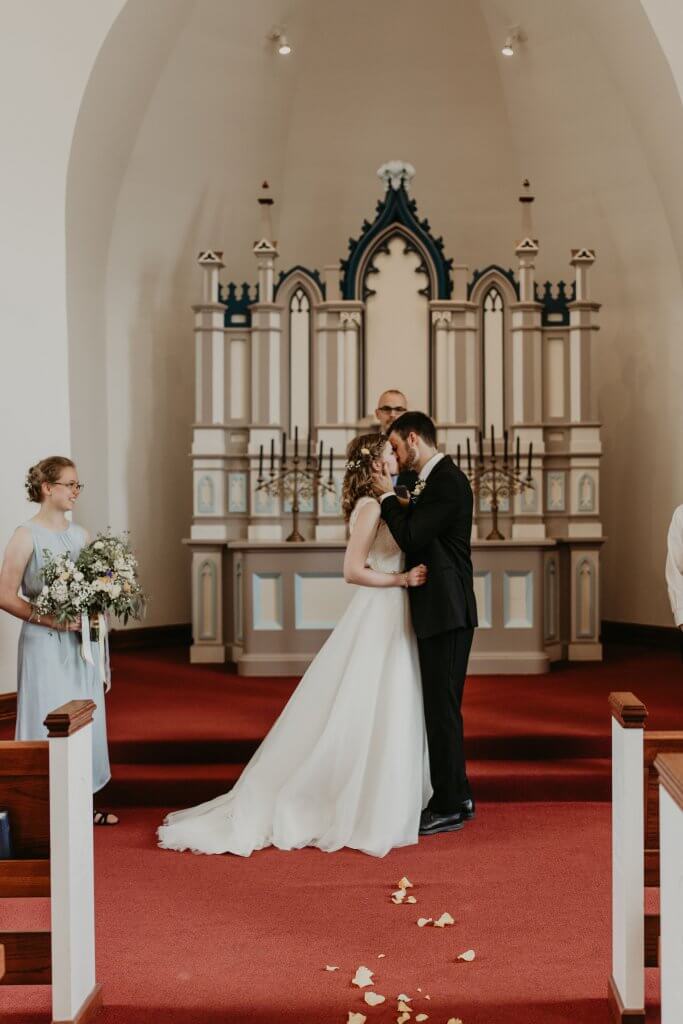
{"x": 390, "y": 405}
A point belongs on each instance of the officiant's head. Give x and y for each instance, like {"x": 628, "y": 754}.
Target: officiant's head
{"x": 390, "y": 405}
{"x": 413, "y": 438}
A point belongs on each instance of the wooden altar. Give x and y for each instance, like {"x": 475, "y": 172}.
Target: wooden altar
{"x": 490, "y": 349}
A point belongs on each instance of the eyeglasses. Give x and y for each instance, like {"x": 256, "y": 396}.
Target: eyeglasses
{"x": 392, "y": 408}
{"x": 73, "y": 485}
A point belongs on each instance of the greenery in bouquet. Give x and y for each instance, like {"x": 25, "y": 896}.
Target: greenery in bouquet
{"x": 110, "y": 568}
{"x": 66, "y": 593}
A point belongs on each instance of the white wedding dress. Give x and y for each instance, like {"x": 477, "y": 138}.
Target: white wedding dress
{"x": 346, "y": 763}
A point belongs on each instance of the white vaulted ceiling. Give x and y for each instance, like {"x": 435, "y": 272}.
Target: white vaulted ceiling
{"x": 188, "y": 109}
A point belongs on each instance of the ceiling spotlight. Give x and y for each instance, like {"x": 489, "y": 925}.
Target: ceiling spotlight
{"x": 514, "y": 37}
{"x": 282, "y": 44}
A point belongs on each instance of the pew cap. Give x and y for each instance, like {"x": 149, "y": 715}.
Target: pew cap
{"x": 69, "y": 718}
{"x": 670, "y": 769}
{"x": 627, "y": 709}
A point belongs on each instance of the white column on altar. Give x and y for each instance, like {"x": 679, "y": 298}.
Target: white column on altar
{"x": 444, "y": 375}
{"x": 527, "y": 394}
{"x": 351, "y": 406}
{"x": 628, "y": 858}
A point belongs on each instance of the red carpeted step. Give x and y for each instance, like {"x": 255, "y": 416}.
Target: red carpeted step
{"x": 167, "y": 785}
{"x": 181, "y": 785}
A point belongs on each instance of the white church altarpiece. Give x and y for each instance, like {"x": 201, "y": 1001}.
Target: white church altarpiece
{"x": 307, "y": 353}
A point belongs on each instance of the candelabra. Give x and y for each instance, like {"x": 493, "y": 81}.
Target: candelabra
{"x": 297, "y": 479}
{"x": 492, "y": 479}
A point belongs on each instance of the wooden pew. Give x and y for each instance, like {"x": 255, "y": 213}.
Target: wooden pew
{"x": 635, "y": 851}
{"x": 669, "y": 768}
{"x": 47, "y": 788}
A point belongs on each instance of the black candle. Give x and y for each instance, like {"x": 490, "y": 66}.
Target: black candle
{"x": 272, "y": 455}
{"x": 493, "y": 444}
{"x": 260, "y": 462}
{"x": 469, "y": 457}
{"x": 517, "y": 451}
{"x": 331, "y": 457}
{"x": 458, "y": 456}
{"x": 308, "y": 451}
{"x": 505, "y": 447}
{"x": 528, "y": 475}
{"x": 284, "y": 448}
{"x": 481, "y": 448}
{"x": 320, "y": 458}
{"x": 296, "y": 442}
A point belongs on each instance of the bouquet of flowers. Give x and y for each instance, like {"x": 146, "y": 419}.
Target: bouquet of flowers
{"x": 66, "y": 594}
{"x": 109, "y": 569}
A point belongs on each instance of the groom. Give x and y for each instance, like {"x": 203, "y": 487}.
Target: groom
{"x": 435, "y": 529}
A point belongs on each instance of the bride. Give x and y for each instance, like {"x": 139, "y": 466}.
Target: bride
{"x": 345, "y": 764}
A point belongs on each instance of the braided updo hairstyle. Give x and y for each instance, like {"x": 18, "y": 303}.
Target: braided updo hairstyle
{"x": 45, "y": 472}
{"x": 360, "y": 455}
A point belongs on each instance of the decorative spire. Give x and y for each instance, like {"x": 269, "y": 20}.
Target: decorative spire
{"x": 266, "y": 203}
{"x": 396, "y": 174}
{"x": 526, "y": 199}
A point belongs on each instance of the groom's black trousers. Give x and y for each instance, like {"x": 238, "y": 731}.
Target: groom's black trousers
{"x": 443, "y": 664}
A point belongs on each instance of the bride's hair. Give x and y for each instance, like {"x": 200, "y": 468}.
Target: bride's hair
{"x": 360, "y": 455}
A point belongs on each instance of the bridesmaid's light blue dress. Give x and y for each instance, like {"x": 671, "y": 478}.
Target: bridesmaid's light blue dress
{"x": 51, "y": 669}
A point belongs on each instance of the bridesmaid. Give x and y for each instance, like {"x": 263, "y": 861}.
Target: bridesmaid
{"x": 51, "y": 670}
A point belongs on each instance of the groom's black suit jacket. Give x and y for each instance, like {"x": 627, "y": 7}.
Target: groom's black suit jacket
{"x": 436, "y": 530}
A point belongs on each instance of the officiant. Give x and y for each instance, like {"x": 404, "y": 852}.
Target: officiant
{"x": 390, "y": 405}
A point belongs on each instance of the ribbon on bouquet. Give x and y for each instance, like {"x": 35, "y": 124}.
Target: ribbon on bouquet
{"x": 86, "y": 646}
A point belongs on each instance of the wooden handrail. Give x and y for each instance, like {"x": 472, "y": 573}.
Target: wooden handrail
{"x": 670, "y": 769}
{"x": 69, "y": 718}
{"x": 627, "y": 709}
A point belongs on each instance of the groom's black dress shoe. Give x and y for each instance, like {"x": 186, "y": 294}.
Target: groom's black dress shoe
{"x": 431, "y": 822}
{"x": 467, "y": 809}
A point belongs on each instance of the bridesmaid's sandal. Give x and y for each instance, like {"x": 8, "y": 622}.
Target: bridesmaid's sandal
{"x": 104, "y": 818}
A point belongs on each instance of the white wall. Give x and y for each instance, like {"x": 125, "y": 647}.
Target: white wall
{"x": 46, "y": 55}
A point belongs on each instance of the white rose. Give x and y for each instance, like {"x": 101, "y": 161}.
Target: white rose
{"x": 45, "y": 590}
{"x": 115, "y": 591}
{"x": 78, "y": 576}
{"x": 98, "y": 545}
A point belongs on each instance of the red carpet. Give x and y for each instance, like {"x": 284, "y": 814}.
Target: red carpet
{"x": 192, "y": 939}
{"x": 180, "y": 733}
{"x": 205, "y": 940}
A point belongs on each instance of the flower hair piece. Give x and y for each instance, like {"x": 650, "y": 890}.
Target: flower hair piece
{"x": 357, "y": 463}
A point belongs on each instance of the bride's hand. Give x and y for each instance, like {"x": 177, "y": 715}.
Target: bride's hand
{"x": 417, "y": 576}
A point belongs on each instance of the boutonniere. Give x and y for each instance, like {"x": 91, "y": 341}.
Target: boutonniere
{"x": 418, "y": 489}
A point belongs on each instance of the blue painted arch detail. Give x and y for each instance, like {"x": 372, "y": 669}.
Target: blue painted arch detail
{"x": 508, "y": 274}
{"x": 397, "y": 208}
{"x": 312, "y": 275}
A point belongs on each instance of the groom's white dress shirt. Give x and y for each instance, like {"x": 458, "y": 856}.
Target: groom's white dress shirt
{"x": 429, "y": 465}
{"x": 674, "y": 565}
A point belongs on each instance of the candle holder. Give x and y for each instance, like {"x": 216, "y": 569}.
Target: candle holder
{"x": 294, "y": 482}
{"x": 494, "y": 478}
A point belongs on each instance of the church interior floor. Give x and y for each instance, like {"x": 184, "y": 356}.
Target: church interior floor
{"x": 202, "y": 940}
